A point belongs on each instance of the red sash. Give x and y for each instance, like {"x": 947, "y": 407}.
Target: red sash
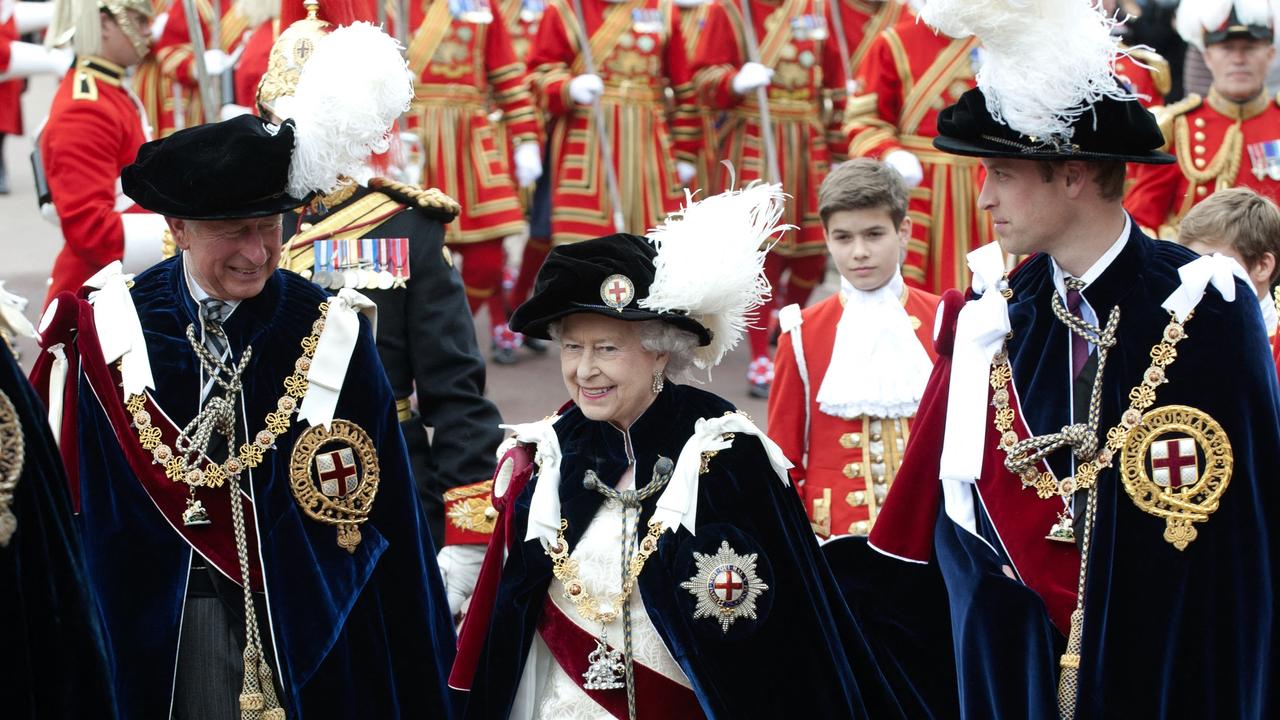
{"x": 657, "y": 696}
{"x": 215, "y": 541}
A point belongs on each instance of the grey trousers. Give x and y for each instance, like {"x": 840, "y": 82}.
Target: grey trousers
{"x": 210, "y": 663}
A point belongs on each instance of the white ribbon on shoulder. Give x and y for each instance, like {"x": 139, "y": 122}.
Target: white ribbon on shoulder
{"x": 678, "y": 504}
{"x": 333, "y": 355}
{"x": 119, "y": 330}
{"x": 1217, "y": 270}
{"x": 544, "y": 506}
{"x": 12, "y": 318}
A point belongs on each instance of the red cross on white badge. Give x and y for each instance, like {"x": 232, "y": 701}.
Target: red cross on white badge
{"x": 728, "y": 586}
{"x": 337, "y": 472}
{"x": 617, "y": 291}
{"x": 1175, "y": 462}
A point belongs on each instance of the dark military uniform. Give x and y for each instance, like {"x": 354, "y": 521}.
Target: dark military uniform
{"x": 425, "y": 335}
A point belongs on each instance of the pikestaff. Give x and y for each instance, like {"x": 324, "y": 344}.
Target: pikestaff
{"x": 602, "y": 132}
{"x": 762, "y": 96}
{"x": 208, "y": 91}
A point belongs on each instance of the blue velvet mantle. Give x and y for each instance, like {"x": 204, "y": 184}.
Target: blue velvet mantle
{"x": 804, "y": 656}
{"x": 1167, "y": 633}
{"x": 357, "y": 635}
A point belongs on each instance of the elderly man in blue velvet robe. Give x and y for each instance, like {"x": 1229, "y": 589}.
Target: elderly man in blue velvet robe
{"x": 251, "y": 526}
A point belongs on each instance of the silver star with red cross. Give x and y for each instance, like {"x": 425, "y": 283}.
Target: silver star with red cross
{"x": 726, "y": 586}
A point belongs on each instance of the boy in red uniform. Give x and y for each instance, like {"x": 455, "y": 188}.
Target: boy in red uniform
{"x": 845, "y": 432}
{"x": 1243, "y": 225}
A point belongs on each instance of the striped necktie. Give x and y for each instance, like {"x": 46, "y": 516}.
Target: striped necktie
{"x": 212, "y": 314}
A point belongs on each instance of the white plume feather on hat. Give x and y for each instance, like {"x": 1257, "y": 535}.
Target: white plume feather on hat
{"x": 1196, "y": 17}
{"x": 349, "y": 95}
{"x": 1045, "y": 61}
{"x": 710, "y": 262}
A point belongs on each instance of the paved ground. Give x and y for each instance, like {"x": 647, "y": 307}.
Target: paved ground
{"x": 28, "y": 244}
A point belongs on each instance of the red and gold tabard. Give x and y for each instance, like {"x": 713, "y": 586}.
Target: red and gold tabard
{"x": 849, "y": 464}
{"x": 795, "y": 42}
{"x": 94, "y": 130}
{"x": 461, "y": 64}
{"x": 1219, "y": 144}
{"x": 862, "y": 21}
{"x": 166, "y": 80}
{"x": 1152, "y": 82}
{"x": 909, "y": 75}
{"x": 253, "y": 62}
{"x": 638, "y": 50}
{"x": 522, "y": 18}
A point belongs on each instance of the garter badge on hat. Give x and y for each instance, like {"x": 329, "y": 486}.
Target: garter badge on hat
{"x": 617, "y": 291}
{"x": 726, "y": 586}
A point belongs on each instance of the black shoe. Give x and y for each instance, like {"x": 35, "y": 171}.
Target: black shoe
{"x": 535, "y": 345}
{"x": 503, "y": 356}
{"x": 760, "y": 391}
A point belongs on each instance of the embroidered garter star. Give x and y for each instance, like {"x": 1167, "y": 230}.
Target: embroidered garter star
{"x": 725, "y": 585}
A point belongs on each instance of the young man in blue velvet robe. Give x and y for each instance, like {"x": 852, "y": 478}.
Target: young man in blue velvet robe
{"x": 250, "y": 520}
{"x": 1093, "y": 463}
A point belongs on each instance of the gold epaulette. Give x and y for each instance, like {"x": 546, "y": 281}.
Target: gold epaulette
{"x": 431, "y": 201}
{"x": 355, "y": 220}
{"x": 1161, "y": 75}
{"x": 1166, "y": 114}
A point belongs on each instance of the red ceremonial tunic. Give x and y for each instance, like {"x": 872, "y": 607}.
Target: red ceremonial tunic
{"x": 10, "y": 90}
{"x": 253, "y": 62}
{"x": 1151, "y": 83}
{"x": 862, "y": 21}
{"x": 166, "y": 79}
{"x": 460, "y": 67}
{"x": 909, "y": 75}
{"x": 1219, "y": 144}
{"x": 692, "y": 21}
{"x": 638, "y": 50}
{"x": 95, "y": 128}
{"x": 850, "y": 464}
{"x": 808, "y": 71}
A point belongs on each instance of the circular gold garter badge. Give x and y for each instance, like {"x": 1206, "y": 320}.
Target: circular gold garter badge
{"x": 1176, "y": 464}
{"x": 334, "y": 477}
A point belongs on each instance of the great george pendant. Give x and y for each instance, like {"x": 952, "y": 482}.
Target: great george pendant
{"x": 605, "y": 667}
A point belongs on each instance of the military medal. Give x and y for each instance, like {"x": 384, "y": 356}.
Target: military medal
{"x": 531, "y": 10}
{"x": 350, "y": 277}
{"x": 338, "y": 259}
{"x": 726, "y": 586}
{"x": 400, "y": 256}
{"x": 385, "y": 278}
{"x": 12, "y": 459}
{"x": 1264, "y": 158}
{"x": 334, "y": 475}
{"x": 318, "y": 274}
{"x": 646, "y": 21}
{"x": 809, "y": 27}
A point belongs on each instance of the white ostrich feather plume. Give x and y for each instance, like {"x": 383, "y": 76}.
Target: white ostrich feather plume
{"x": 350, "y": 93}
{"x": 710, "y": 262}
{"x": 1045, "y": 61}
{"x": 1195, "y": 17}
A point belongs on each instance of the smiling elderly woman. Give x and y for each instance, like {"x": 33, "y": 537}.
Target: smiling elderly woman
{"x": 657, "y": 564}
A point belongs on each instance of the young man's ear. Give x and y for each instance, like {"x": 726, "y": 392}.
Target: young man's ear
{"x": 1263, "y": 270}
{"x": 904, "y": 239}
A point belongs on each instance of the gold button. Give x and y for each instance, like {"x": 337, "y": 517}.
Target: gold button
{"x": 879, "y": 477}
{"x": 852, "y": 470}
{"x": 304, "y": 226}
{"x": 1201, "y": 190}
{"x": 1199, "y": 149}
{"x": 877, "y": 459}
{"x": 1200, "y": 163}
{"x": 915, "y": 322}
{"x": 1199, "y": 122}
{"x": 848, "y": 441}
{"x": 875, "y": 437}
{"x": 859, "y": 528}
{"x": 856, "y": 498}
{"x": 490, "y": 512}
{"x": 1199, "y": 136}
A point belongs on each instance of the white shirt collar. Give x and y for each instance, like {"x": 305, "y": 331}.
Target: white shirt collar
{"x": 198, "y": 293}
{"x": 1099, "y": 266}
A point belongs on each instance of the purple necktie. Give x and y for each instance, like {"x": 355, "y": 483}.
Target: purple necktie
{"x": 1079, "y": 346}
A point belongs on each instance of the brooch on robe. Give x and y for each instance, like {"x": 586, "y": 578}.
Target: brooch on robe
{"x": 1175, "y": 464}
{"x": 725, "y": 585}
{"x": 334, "y": 475}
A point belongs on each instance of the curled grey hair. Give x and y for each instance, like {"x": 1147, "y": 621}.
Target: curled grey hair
{"x": 659, "y": 337}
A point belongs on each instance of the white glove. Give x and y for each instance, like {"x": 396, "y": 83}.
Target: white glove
{"x": 907, "y": 165}
{"x": 157, "y": 26}
{"x": 528, "y": 163}
{"x": 752, "y": 75}
{"x": 584, "y": 89}
{"x": 685, "y": 171}
{"x": 217, "y": 62}
{"x": 232, "y": 110}
{"x": 27, "y": 59}
{"x": 32, "y": 16}
{"x": 50, "y": 214}
{"x": 460, "y": 568}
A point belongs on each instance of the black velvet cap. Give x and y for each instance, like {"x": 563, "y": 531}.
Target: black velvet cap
{"x": 579, "y": 277}
{"x": 1110, "y": 130}
{"x": 234, "y": 169}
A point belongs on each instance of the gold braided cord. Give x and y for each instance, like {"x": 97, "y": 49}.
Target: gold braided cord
{"x": 1225, "y": 165}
